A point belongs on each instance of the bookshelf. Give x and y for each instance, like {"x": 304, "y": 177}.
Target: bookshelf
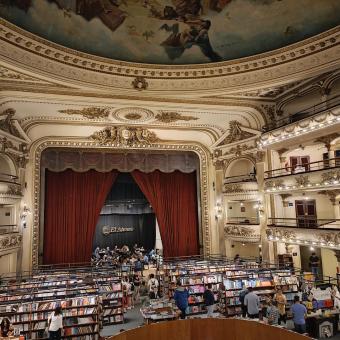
{"x": 88, "y": 299}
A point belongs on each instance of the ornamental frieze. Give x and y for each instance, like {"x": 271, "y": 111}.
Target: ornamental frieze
{"x": 246, "y": 234}
{"x": 125, "y": 136}
{"x": 170, "y": 117}
{"x": 10, "y": 241}
{"x": 89, "y": 112}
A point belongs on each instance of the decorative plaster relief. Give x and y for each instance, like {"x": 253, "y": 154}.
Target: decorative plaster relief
{"x": 11, "y": 241}
{"x": 46, "y": 57}
{"x": 89, "y": 112}
{"x": 242, "y": 233}
{"x": 315, "y": 237}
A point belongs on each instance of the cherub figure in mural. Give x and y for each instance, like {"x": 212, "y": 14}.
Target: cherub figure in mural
{"x": 195, "y": 34}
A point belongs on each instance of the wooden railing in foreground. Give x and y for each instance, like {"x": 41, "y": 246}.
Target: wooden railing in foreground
{"x": 208, "y": 329}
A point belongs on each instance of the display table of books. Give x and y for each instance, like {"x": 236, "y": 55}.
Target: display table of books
{"x": 159, "y": 310}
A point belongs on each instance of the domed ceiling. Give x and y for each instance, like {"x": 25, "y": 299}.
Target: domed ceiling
{"x": 173, "y": 31}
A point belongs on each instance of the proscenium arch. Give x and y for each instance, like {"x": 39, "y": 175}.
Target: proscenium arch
{"x": 40, "y": 145}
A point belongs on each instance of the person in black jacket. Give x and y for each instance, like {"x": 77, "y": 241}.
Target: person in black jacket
{"x": 209, "y": 300}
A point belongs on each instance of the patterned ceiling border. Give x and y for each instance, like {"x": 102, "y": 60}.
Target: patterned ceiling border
{"x": 40, "y": 54}
{"x": 40, "y": 145}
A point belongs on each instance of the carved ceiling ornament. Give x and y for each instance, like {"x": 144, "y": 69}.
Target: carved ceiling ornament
{"x": 239, "y": 149}
{"x": 170, "y": 117}
{"x": 139, "y": 83}
{"x": 89, "y": 112}
{"x": 236, "y": 133}
{"x": 238, "y": 232}
{"x": 125, "y": 136}
{"x": 7, "y": 123}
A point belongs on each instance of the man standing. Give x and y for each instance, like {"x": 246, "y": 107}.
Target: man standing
{"x": 252, "y": 302}
{"x": 314, "y": 262}
{"x": 209, "y": 301}
{"x": 243, "y": 294}
{"x": 181, "y": 298}
{"x": 299, "y": 312}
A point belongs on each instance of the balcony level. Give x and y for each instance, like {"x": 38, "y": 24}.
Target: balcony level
{"x": 318, "y": 175}
{"x": 243, "y": 229}
{"x": 313, "y": 122}
{"x": 10, "y": 189}
{"x": 304, "y": 168}
{"x": 305, "y": 231}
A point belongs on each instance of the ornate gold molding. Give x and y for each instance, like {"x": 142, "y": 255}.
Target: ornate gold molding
{"x": 40, "y": 145}
{"x": 242, "y": 233}
{"x": 170, "y": 117}
{"x": 89, "y": 112}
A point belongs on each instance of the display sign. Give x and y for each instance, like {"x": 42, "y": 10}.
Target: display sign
{"x": 106, "y": 230}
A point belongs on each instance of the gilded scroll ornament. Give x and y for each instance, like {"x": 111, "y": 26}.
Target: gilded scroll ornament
{"x": 89, "y": 112}
{"x": 170, "y": 117}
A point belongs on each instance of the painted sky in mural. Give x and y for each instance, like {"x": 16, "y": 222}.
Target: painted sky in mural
{"x": 173, "y": 31}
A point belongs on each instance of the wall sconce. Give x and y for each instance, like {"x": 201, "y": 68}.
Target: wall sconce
{"x": 24, "y": 213}
{"x": 218, "y": 211}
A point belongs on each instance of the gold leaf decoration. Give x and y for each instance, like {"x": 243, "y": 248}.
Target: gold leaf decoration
{"x": 89, "y": 112}
{"x": 170, "y": 117}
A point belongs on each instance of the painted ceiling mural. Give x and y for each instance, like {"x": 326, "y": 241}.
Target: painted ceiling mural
{"x": 173, "y": 31}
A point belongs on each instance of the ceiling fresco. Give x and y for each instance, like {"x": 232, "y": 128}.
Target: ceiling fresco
{"x": 173, "y": 31}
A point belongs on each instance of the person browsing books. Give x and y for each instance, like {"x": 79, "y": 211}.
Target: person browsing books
{"x": 55, "y": 324}
{"x": 153, "y": 287}
{"x": 299, "y": 312}
{"x": 209, "y": 300}
{"x": 181, "y": 299}
{"x": 252, "y": 302}
{"x": 6, "y": 329}
{"x": 281, "y": 300}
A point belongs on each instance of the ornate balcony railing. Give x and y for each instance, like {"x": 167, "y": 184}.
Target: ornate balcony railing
{"x": 311, "y": 111}
{"x": 10, "y": 242}
{"x": 243, "y": 220}
{"x": 305, "y": 222}
{"x": 305, "y": 168}
{"x": 241, "y": 178}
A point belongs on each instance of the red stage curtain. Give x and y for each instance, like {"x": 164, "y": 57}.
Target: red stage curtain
{"x": 174, "y": 201}
{"x": 73, "y": 202}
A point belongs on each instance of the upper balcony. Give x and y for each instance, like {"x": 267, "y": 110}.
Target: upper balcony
{"x": 323, "y": 174}
{"x": 304, "y": 168}
{"x": 242, "y": 187}
{"x": 308, "y": 124}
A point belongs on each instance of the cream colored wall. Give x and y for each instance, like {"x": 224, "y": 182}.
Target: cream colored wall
{"x": 8, "y": 263}
{"x": 329, "y": 262}
{"x": 7, "y": 220}
{"x": 324, "y": 208}
{"x": 248, "y": 250}
{"x": 240, "y": 167}
{"x": 314, "y": 152}
{"x": 250, "y": 209}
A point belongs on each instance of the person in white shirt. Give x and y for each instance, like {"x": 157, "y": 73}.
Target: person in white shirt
{"x": 55, "y": 324}
{"x": 153, "y": 287}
